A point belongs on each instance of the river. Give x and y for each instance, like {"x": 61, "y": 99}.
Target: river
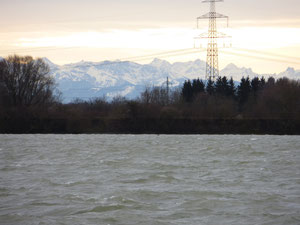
{"x": 149, "y": 179}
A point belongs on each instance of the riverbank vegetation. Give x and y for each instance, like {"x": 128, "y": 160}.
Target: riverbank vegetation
{"x": 29, "y": 103}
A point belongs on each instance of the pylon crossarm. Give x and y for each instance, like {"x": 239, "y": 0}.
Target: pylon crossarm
{"x": 205, "y": 16}
{"x": 212, "y": 15}
{"x": 218, "y": 15}
{"x": 217, "y": 35}
{"x": 208, "y": 1}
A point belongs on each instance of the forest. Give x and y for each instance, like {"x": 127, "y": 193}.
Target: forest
{"x": 30, "y": 103}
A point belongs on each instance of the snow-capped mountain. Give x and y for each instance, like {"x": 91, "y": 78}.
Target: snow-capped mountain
{"x": 86, "y": 80}
{"x": 232, "y": 70}
{"x": 290, "y": 73}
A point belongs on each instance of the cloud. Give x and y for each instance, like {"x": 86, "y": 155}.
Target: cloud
{"x": 143, "y": 38}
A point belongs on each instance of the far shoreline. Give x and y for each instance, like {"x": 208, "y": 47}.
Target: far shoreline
{"x": 155, "y": 126}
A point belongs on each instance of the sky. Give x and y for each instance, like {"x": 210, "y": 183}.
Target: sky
{"x": 265, "y": 34}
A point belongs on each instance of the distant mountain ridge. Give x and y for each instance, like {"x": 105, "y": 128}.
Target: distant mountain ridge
{"x": 87, "y": 80}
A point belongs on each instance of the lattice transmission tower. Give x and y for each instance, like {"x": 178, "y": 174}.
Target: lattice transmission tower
{"x": 212, "y": 64}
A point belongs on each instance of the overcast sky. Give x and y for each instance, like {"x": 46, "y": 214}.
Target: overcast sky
{"x": 123, "y": 24}
{"x": 174, "y": 11}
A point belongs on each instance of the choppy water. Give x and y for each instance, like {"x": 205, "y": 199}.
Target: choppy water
{"x": 148, "y": 179}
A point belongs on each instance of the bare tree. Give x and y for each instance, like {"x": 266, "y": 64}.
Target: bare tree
{"x": 26, "y": 82}
{"x": 155, "y": 95}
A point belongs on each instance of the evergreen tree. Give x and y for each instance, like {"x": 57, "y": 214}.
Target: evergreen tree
{"x": 210, "y": 87}
{"x": 187, "y": 91}
{"x": 262, "y": 83}
{"x": 219, "y": 86}
{"x": 198, "y": 86}
{"x": 231, "y": 88}
{"x": 222, "y": 86}
{"x": 271, "y": 81}
{"x": 255, "y": 85}
{"x": 244, "y": 90}
{"x": 225, "y": 85}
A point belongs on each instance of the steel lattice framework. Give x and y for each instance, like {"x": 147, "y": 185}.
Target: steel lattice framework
{"x": 212, "y": 64}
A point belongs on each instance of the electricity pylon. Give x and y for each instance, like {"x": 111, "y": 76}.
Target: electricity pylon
{"x": 212, "y": 64}
{"x": 168, "y": 83}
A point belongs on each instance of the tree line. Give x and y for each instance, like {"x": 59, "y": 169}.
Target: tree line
{"x": 250, "y": 98}
{"x": 30, "y": 102}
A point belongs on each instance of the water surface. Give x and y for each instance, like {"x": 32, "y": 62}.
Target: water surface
{"x": 149, "y": 179}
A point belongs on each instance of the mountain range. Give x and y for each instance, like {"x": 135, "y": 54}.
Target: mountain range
{"x": 85, "y": 80}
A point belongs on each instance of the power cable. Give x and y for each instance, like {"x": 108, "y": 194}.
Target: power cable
{"x": 38, "y": 49}
{"x": 259, "y": 57}
{"x": 267, "y": 53}
{"x": 147, "y": 57}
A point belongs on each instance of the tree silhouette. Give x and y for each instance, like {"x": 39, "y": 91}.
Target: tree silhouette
{"x": 219, "y": 87}
{"x": 231, "y": 88}
{"x": 210, "y": 87}
{"x": 222, "y": 86}
{"x": 255, "y": 84}
{"x": 271, "y": 81}
{"x": 26, "y": 82}
{"x": 244, "y": 90}
{"x": 198, "y": 86}
{"x": 187, "y": 91}
{"x": 262, "y": 83}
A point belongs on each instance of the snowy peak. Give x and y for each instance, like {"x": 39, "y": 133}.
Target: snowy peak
{"x": 158, "y": 63}
{"x": 46, "y": 60}
{"x": 290, "y": 73}
{"x": 198, "y": 62}
{"x": 290, "y": 70}
{"x": 231, "y": 70}
{"x": 231, "y": 66}
{"x": 49, "y": 63}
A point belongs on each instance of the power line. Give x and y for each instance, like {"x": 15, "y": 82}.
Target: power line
{"x": 267, "y": 53}
{"x": 148, "y": 57}
{"x": 111, "y": 18}
{"x": 259, "y": 57}
{"x": 39, "y": 49}
{"x": 160, "y": 53}
{"x": 66, "y": 48}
